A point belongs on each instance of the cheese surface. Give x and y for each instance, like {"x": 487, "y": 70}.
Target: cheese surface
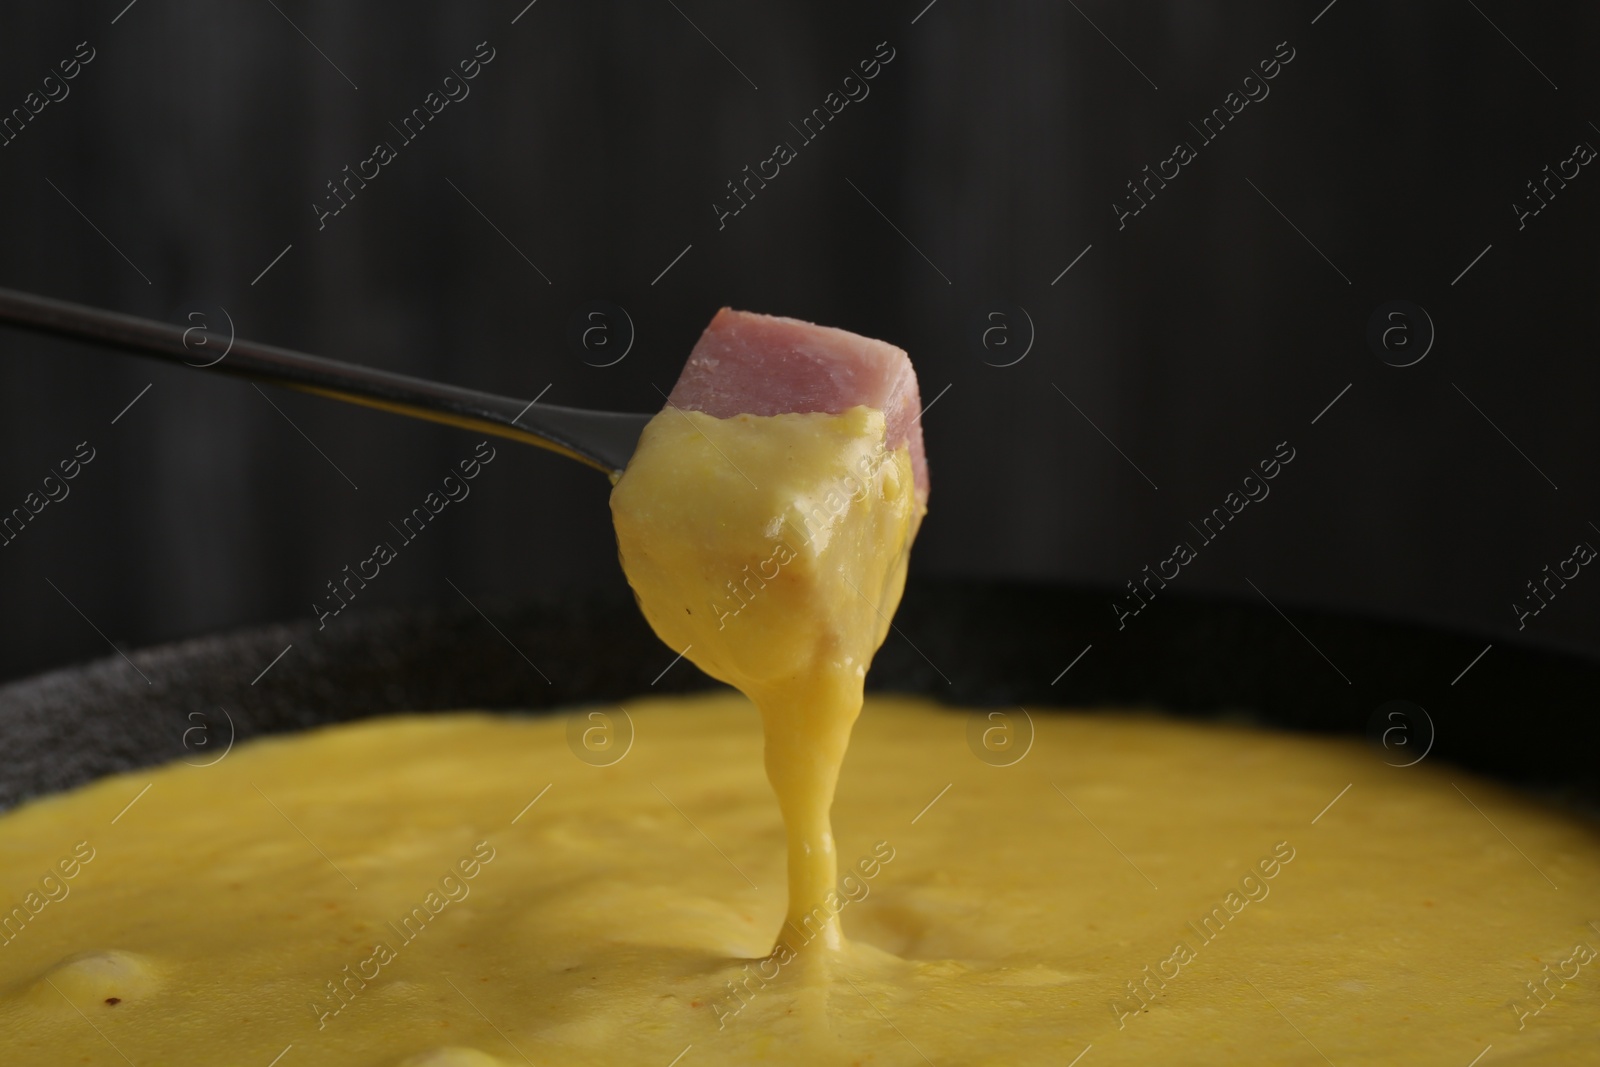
{"x": 382, "y": 893}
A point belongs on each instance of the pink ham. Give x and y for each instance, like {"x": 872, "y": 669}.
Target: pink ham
{"x": 748, "y": 364}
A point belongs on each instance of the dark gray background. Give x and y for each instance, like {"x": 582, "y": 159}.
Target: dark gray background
{"x": 1195, "y": 339}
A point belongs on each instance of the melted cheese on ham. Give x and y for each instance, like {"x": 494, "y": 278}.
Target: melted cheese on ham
{"x": 771, "y": 551}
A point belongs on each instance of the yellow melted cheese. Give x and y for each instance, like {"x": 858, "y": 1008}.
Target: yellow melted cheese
{"x": 612, "y": 923}
{"x": 472, "y": 891}
{"x": 771, "y": 551}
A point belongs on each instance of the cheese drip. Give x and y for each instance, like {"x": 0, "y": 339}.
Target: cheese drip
{"x": 772, "y": 551}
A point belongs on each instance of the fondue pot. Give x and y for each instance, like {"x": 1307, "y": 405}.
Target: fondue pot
{"x": 1516, "y": 712}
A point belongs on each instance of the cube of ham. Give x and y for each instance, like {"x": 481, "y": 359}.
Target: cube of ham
{"x": 749, "y": 364}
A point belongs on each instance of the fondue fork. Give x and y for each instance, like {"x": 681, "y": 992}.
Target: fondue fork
{"x": 603, "y": 440}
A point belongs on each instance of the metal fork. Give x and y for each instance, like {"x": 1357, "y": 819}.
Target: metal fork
{"x": 603, "y": 440}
